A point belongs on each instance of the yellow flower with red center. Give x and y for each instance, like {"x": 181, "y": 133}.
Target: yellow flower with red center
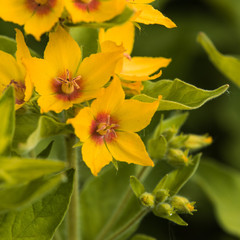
{"x": 107, "y": 129}
{"x": 37, "y": 16}
{"x": 62, "y": 79}
{"x": 94, "y": 10}
{"x": 12, "y": 72}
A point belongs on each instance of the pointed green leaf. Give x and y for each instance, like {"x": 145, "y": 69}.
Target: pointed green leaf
{"x": 228, "y": 65}
{"x": 136, "y": 186}
{"x": 40, "y": 220}
{"x": 21, "y": 195}
{"x": 18, "y": 170}
{"x": 177, "y": 178}
{"x": 45, "y": 153}
{"x": 177, "y": 95}
{"x": 222, "y": 186}
{"x": 142, "y": 237}
{"x": 7, "y": 116}
{"x": 176, "y": 219}
{"x": 47, "y": 127}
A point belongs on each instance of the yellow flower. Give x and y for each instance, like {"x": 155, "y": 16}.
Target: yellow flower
{"x": 37, "y": 16}
{"x": 108, "y": 128}
{"x": 13, "y": 72}
{"x": 94, "y": 10}
{"x": 62, "y": 79}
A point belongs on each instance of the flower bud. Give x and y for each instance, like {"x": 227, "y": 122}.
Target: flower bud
{"x": 162, "y": 195}
{"x": 177, "y": 157}
{"x": 163, "y": 210}
{"x": 182, "y": 205}
{"x": 147, "y": 199}
{"x": 197, "y": 141}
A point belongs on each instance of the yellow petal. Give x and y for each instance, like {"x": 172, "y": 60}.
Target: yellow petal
{"x": 97, "y": 69}
{"x": 41, "y": 73}
{"x": 96, "y": 156}
{"x": 149, "y": 15}
{"x": 41, "y": 23}
{"x": 82, "y": 123}
{"x": 29, "y": 88}
{"x": 15, "y": 11}
{"x": 104, "y": 10}
{"x": 62, "y": 51}
{"x": 134, "y": 115}
{"x": 140, "y": 1}
{"x": 123, "y": 34}
{"x": 139, "y": 78}
{"x": 9, "y": 70}
{"x": 110, "y": 101}
{"x": 143, "y": 66}
{"x": 53, "y": 103}
{"x": 128, "y": 147}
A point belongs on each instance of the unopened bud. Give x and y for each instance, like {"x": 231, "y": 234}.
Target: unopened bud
{"x": 163, "y": 210}
{"x": 197, "y": 141}
{"x": 177, "y": 157}
{"x": 182, "y": 205}
{"x": 162, "y": 195}
{"x": 147, "y": 199}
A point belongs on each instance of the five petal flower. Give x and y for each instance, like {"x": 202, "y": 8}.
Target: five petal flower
{"x": 108, "y": 128}
{"x": 62, "y": 79}
{"x": 37, "y": 16}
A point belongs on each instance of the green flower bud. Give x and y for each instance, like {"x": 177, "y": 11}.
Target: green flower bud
{"x": 182, "y": 205}
{"x": 147, "y": 199}
{"x": 197, "y": 141}
{"x": 162, "y": 195}
{"x": 163, "y": 210}
{"x": 177, "y": 157}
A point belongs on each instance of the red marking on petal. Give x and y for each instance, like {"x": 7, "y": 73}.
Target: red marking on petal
{"x": 92, "y": 5}
{"x": 41, "y": 9}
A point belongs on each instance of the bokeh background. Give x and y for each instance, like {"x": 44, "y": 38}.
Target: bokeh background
{"x": 220, "y": 20}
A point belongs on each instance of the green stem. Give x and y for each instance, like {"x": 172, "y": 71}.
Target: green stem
{"x": 73, "y": 211}
{"x": 119, "y": 209}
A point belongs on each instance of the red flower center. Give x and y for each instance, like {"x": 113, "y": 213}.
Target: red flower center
{"x": 41, "y": 7}
{"x": 66, "y": 87}
{"x": 87, "y": 5}
{"x": 19, "y": 88}
{"x": 103, "y": 128}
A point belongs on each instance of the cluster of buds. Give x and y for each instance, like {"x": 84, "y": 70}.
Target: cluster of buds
{"x": 173, "y": 147}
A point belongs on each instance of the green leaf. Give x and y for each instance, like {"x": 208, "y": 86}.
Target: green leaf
{"x": 47, "y": 127}
{"x": 87, "y": 39}
{"x": 176, "y": 219}
{"x": 45, "y": 153}
{"x": 142, "y": 237}
{"x": 18, "y": 170}
{"x": 228, "y": 65}
{"x": 222, "y": 186}
{"x": 8, "y": 45}
{"x": 177, "y": 178}
{"x": 177, "y": 95}
{"x": 157, "y": 147}
{"x": 136, "y": 186}
{"x": 24, "y": 194}
{"x": 40, "y": 220}
{"x": 7, "y": 116}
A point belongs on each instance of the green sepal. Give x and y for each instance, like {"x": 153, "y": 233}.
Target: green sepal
{"x": 78, "y": 144}
{"x": 115, "y": 163}
{"x": 177, "y": 95}
{"x": 157, "y": 147}
{"x": 136, "y": 186}
{"x": 176, "y": 219}
{"x": 228, "y": 65}
{"x": 7, "y": 116}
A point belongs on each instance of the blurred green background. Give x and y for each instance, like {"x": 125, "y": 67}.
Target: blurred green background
{"x": 220, "y": 20}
